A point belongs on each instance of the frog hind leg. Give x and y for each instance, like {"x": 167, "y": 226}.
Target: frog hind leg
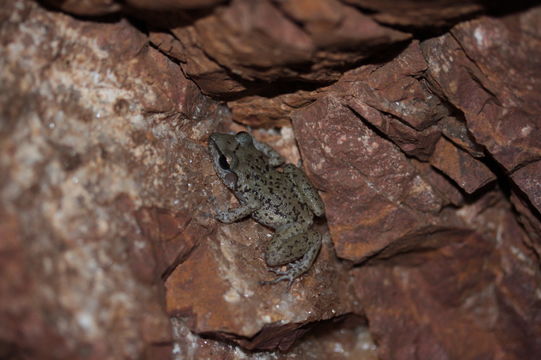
{"x": 305, "y": 189}
{"x": 298, "y": 251}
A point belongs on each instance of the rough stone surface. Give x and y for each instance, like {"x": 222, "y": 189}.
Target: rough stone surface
{"x": 341, "y": 338}
{"x": 266, "y": 112}
{"x": 394, "y": 99}
{"x": 415, "y": 13}
{"x": 89, "y": 132}
{"x": 528, "y": 179}
{"x": 430, "y": 306}
{"x": 372, "y": 194}
{"x": 488, "y": 69}
{"x": 417, "y": 120}
{"x": 215, "y": 288}
{"x": 466, "y": 171}
{"x": 107, "y": 7}
{"x": 277, "y": 41}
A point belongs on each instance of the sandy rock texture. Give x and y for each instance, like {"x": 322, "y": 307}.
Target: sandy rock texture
{"x": 418, "y": 121}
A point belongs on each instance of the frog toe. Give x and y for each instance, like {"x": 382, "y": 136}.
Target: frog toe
{"x": 277, "y": 271}
{"x": 289, "y": 277}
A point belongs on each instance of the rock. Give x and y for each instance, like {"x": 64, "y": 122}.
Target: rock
{"x": 256, "y": 41}
{"x": 365, "y": 179}
{"x": 90, "y": 133}
{"x": 456, "y": 131}
{"x": 469, "y": 173}
{"x": 247, "y": 44}
{"x": 212, "y": 78}
{"x": 333, "y": 26}
{"x": 448, "y": 191}
{"x": 262, "y": 111}
{"x": 432, "y": 305}
{"x": 87, "y": 7}
{"x": 409, "y": 13}
{"x": 530, "y": 220}
{"x": 341, "y": 338}
{"x": 488, "y": 69}
{"x": 172, "y": 237}
{"x": 167, "y": 5}
{"x": 395, "y": 102}
{"x": 107, "y": 7}
{"x": 418, "y": 121}
{"x": 218, "y": 289}
{"x": 528, "y": 180}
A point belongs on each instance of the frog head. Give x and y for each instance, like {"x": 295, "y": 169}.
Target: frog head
{"x": 225, "y": 150}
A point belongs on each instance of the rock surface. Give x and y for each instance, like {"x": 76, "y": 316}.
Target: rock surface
{"x": 430, "y": 306}
{"x": 419, "y": 122}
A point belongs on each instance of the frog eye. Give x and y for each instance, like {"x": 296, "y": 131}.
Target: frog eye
{"x": 222, "y": 161}
{"x": 243, "y": 138}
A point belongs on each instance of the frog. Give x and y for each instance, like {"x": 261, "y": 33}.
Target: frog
{"x": 273, "y": 193}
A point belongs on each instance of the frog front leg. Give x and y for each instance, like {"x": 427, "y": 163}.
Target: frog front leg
{"x": 231, "y": 215}
{"x": 304, "y": 189}
{"x": 294, "y": 245}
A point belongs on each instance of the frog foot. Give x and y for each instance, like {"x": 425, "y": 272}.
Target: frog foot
{"x": 278, "y": 279}
{"x": 294, "y": 270}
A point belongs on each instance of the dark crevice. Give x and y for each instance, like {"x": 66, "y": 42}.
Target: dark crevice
{"x": 171, "y": 58}
{"x": 523, "y": 164}
{"x": 490, "y": 8}
{"x": 106, "y": 19}
{"x": 508, "y": 188}
{"x": 503, "y": 182}
{"x": 419, "y": 32}
{"x": 468, "y": 198}
{"x": 398, "y": 250}
{"x": 477, "y": 194}
{"x": 371, "y": 126}
{"x": 181, "y": 258}
{"x": 382, "y": 134}
{"x": 262, "y": 343}
{"x": 505, "y": 8}
{"x": 282, "y": 86}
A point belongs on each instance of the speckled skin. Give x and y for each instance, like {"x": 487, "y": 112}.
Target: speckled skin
{"x": 282, "y": 200}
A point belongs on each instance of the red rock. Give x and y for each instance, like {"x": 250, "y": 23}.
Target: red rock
{"x": 338, "y": 339}
{"x": 168, "y": 5}
{"x": 395, "y": 102}
{"x": 528, "y": 179}
{"x": 250, "y": 35}
{"x": 105, "y": 7}
{"x": 217, "y": 288}
{"x": 464, "y": 300}
{"x": 212, "y": 78}
{"x": 529, "y": 219}
{"x": 332, "y": 25}
{"x": 373, "y": 195}
{"x": 488, "y": 69}
{"x": 107, "y": 190}
{"x": 456, "y": 131}
{"x": 91, "y": 134}
{"x": 247, "y": 42}
{"x": 447, "y": 191}
{"x": 171, "y": 236}
{"x": 87, "y": 7}
{"x": 418, "y": 13}
{"x": 261, "y": 111}
{"x": 469, "y": 173}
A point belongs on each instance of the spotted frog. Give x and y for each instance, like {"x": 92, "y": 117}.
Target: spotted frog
{"x": 276, "y": 195}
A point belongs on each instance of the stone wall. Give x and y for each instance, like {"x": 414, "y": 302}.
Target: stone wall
{"x": 419, "y": 122}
